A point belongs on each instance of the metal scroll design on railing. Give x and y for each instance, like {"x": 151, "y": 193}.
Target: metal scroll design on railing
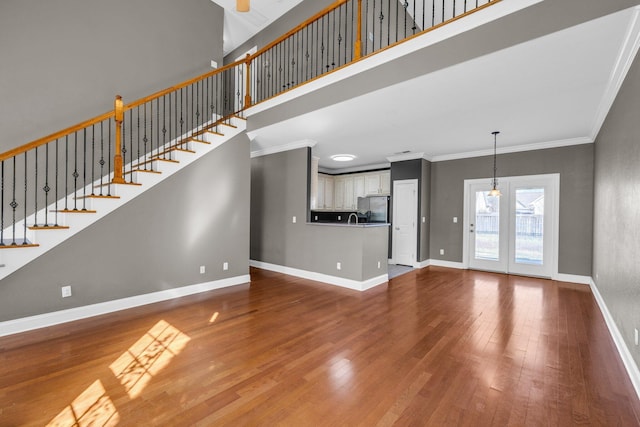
{"x": 59, "y": 173}
{"x": 343, "y": 33}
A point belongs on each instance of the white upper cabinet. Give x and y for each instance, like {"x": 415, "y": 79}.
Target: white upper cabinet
{"x": 341, "y": 192}
{"x": 378, "y": 183}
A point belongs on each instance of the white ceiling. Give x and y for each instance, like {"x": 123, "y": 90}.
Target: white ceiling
{"x": 551, "y": 91}
{"x": 239, "y": 27}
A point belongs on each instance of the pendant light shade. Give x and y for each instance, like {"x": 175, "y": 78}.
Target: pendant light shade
{"x": 242, "y": 5}
{"x": 494, "y": 182}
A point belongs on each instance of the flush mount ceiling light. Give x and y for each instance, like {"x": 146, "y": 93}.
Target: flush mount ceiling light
{"x": 494, "y": 182}
{"x": 242, "y": 5}
{"x": 343, "y": 157}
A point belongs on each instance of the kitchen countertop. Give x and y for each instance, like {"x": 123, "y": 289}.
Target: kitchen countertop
{"x": 361, "y": 225}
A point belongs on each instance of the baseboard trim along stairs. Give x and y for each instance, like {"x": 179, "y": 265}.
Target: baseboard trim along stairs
{"x": 81, "y": 212}
{"x": 25, "y": 324}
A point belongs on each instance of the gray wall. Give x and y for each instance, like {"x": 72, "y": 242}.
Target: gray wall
{"x": 616, "y": 269}
{"x": 575, "y": 166}
{"x": 63, "y": 61}
{"x": 425, "y": 206}
{"x": 279, "y": 192}
{"x": 157, "y": 241}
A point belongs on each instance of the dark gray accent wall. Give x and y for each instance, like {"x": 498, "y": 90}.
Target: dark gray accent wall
{"x": 575, "y": 166}
{"x": 158, "y": 241}
{"x": 278, "y": 193}
{"x": 425, "y": 205}
{"x": 64, "y": 61}
{"x": 616, "y": 254}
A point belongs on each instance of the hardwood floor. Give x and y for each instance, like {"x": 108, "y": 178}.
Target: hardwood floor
{"x": 434, "y": 347}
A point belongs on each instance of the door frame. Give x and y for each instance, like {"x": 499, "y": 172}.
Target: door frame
{"x": 555, "y": 212}
{"x": 393, "y": 259}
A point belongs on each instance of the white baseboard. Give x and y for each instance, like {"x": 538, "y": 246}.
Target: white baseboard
{"x": 50, "y": 319}
{"x": 627, "y": 359}
{"x": 573, "y": 278}
{"x": 325, "y": 278}
{"x": 449, "y": 264}
{"x": 422, "y": 264}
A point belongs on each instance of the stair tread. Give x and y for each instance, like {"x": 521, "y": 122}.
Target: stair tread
{"x": 48, "y": 227}
{"x": 10, "y": 245}
{"x": 199, "y": 141}
{"x": 97, "y": 196}
{"x": 82, "y": 211}
{"x": 214, "y": 132}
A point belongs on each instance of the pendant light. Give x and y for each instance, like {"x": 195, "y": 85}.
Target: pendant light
{"x": 242, "y": 5}
{"x": 494, "y": 182}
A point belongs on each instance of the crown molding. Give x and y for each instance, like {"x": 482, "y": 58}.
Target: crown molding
{"x": 513, "y": 149}
{"x": 285, "y": 147}
{"x": 619, "y": 73}
{"x": 405, "y": 156}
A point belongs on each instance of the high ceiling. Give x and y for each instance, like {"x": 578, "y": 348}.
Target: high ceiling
{"x": 553, "y": 90}
{"x": 239, "y": 27}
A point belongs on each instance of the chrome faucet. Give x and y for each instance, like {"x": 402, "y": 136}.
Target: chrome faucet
{"x": 350, "y": 215}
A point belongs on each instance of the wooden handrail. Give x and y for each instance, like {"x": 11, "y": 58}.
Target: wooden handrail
{"x": 183, "y": 84}
{"x": 299, "y": 27}
{"x": 57, "y": 135}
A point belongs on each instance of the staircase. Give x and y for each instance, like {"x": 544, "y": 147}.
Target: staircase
{"x": 74, "y": 213}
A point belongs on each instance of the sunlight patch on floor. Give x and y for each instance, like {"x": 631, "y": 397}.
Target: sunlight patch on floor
{"x": 92, "y": 407}
{"x": 148, "y": 356}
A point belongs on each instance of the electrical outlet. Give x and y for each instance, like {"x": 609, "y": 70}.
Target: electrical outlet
{"x": 455, "y": 219}
{"x": 66, "y": 291}
{"x": 294, "y": 219}
{"x": 202, "y": 269}
{"x": 378, "y": 264}
{"x": 424, "y": 219}
{"x": 214, "y": 64}
{"x": 636, "y": 337}
{"x": 339, "y": 265}
{"x": 441, "y": 251}
{"x": 225, "y": 265}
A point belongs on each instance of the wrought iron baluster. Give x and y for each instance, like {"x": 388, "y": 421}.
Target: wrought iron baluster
{"x": 433, "y": 13}
{"x": 2, "y": 203}
{"x": 56, "y": 185}
{"x": 109, "y": 157}
{"x": 84, "y": 169}
{"x": 46, "y": 187}
{"x": 101, "y": 162}
{"x": 145, "y": 139}
{"x": 137, "y": 141}
{"x": 66, "y": 172}
{"x": 93, "y": 157}
{"x": 13, "y": 204}
{"x": 24, "y": 219}
{"x": 75, "y": 171}
{"x": 35, "y": 191}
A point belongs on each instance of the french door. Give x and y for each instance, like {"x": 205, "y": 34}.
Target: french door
{"x": 515, "y": 232}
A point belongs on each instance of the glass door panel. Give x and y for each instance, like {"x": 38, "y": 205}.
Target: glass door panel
{"x": 487, "y": 227}
{"x": 529, "y": 226}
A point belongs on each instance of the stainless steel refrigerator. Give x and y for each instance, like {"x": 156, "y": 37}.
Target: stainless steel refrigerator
{"x": 374, "y": 208}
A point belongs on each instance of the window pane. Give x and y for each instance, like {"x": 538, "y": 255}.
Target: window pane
{"x": 487, "y": 227}
{"x": 529, "y": 225}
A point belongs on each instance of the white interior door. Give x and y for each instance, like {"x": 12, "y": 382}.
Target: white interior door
{"x": 516, "y": 232}
{"x": 405, "y": 216}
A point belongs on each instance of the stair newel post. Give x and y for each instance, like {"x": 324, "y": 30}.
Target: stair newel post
{"x": 357, "y": 49}
{"x": 117, "y": 158}
{"x": 247, "y": 95}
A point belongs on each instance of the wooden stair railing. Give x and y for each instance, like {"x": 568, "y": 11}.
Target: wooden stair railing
{"x": 62, "y": 171}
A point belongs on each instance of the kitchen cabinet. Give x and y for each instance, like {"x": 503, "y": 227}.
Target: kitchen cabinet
{"x": 342, "y": 191}
{"x": 378, "y": 183}
{"x": 325, "y": 191}
{"x": 339, "y": 193}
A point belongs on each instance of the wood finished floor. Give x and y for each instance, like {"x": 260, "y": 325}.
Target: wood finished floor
{"x": 434, "y": 347}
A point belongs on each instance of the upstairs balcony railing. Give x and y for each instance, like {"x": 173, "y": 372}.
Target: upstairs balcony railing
{"x": 60, "y": 172}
